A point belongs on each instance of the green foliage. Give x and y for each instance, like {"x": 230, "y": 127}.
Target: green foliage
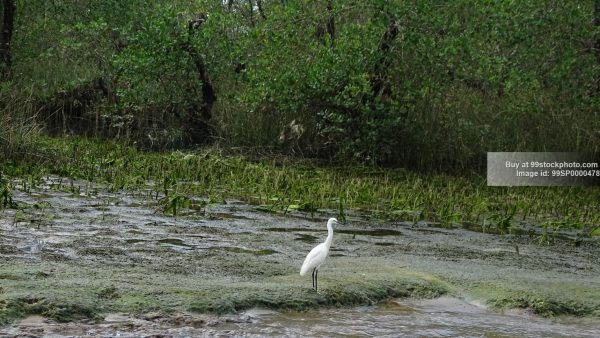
{"x": 461, "y": 79}
{"x": 161, "y": 79}
{"x": 458, "y": 79}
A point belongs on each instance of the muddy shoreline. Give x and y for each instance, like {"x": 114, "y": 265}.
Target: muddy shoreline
{"x": 80, "y": 256}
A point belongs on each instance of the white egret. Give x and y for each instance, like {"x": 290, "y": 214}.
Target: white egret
{"x": 316, "y": 257}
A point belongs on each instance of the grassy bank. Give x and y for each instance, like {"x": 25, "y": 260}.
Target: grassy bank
{"x": 177, "y": 180}
{"x": 73, "y": 292}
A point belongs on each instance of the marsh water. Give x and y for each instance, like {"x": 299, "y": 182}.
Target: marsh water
{"x": 442, "y": 317}
{"x": 119, "y": 250}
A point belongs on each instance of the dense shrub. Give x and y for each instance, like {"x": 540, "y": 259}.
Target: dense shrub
{"x": 414, "y": 83}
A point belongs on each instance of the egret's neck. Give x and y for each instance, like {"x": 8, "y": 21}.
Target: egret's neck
{"x": 329, "y": 235}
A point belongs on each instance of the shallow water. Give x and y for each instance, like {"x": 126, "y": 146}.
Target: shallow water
{"x": 442, "y": 317}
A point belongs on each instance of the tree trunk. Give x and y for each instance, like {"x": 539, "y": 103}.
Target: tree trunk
{"x": 327, "y": 27}
{"x": 208, "y": 93}
{"x": 378, "y": 78}
{"x": 199, "y": 127}
{"x": 5, "y": 38}
{"x": 251, "y": 5}
{"x": 331, "y": 23}
{"x": 260, "y": 9}
{"x": 597, "y": 44}
{"x": 229, "y": 4}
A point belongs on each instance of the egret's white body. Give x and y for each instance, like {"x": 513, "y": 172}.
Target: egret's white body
{"x": 316, "y": 257}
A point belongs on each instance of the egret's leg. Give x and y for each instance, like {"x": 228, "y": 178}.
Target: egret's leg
{"x": 313, "y": 277}
{"x": 316, "y": 278}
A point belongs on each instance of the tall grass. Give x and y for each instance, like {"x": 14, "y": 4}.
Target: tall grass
{"x": 18, "y": 125}
{"x": 18, "y": 133}
{"x": 458, "y": 130}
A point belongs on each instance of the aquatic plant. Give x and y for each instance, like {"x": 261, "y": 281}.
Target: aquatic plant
{"x": 5, "y": 193}
{"x": 176, "y": 179}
